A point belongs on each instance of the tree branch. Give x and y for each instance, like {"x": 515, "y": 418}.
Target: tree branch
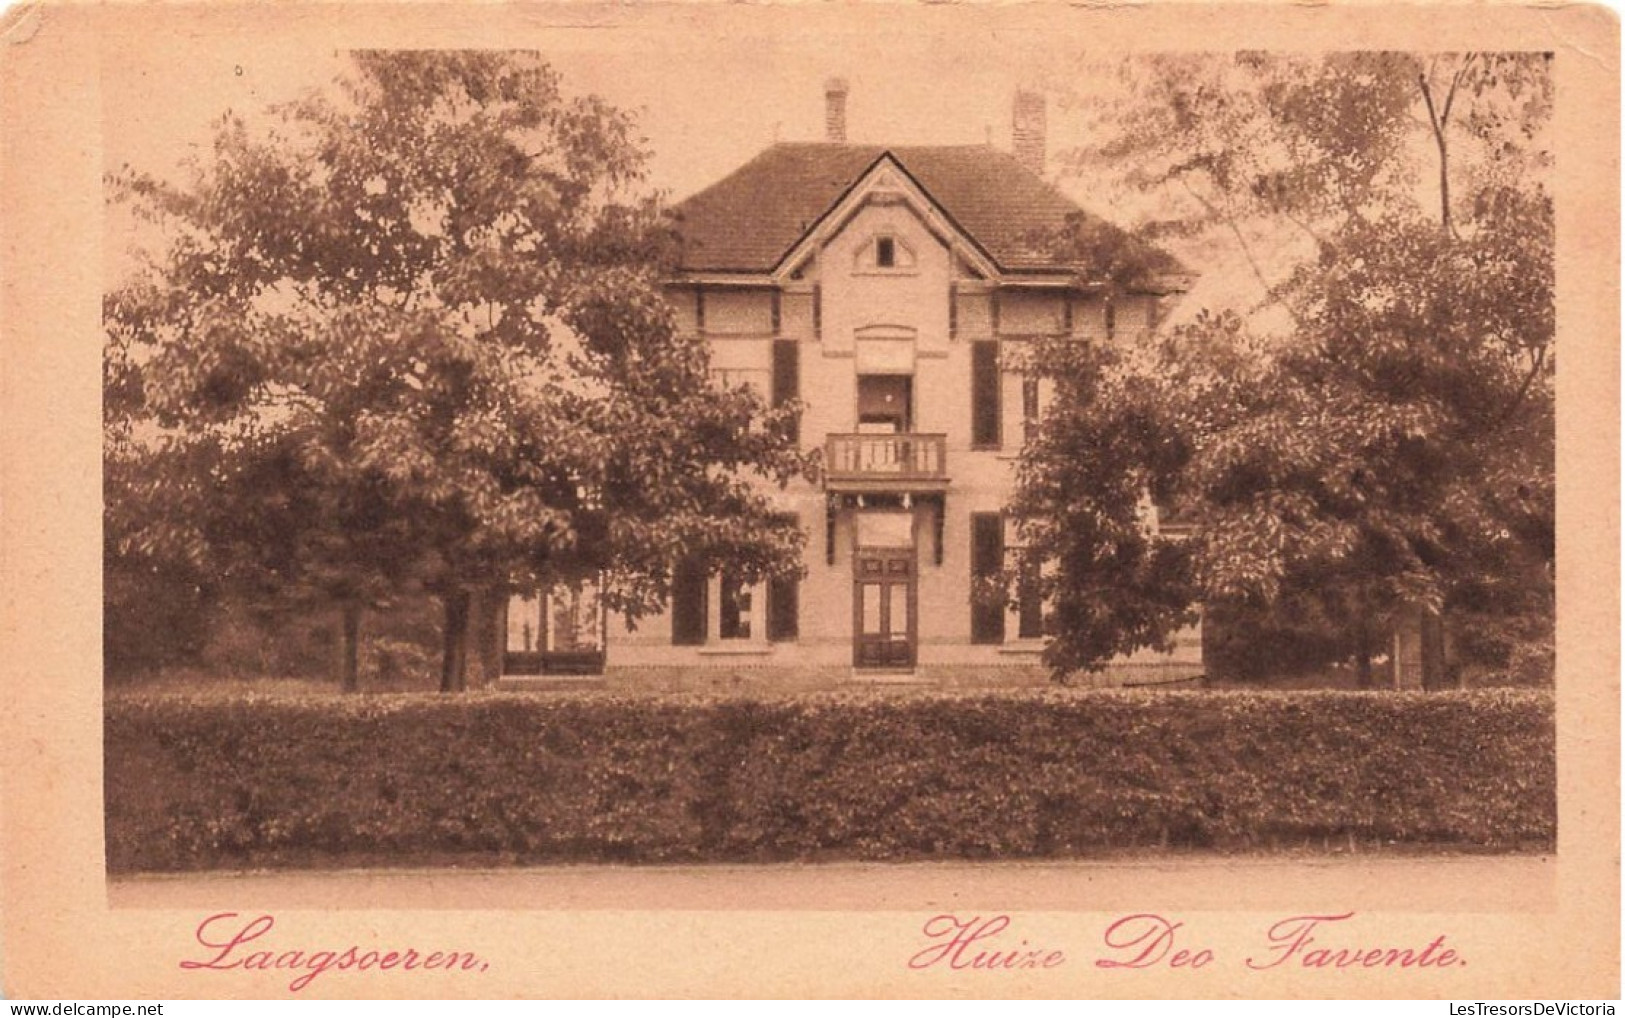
{"x": 1535, "y": 367}
{"x": 1308, "y": 230}
{"x": 1444, "y": 156}
{"x": 1247, "y": 252}
{"x": 1439, "y": 122}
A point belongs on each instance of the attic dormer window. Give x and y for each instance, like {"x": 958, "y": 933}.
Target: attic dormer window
{"x": 884, "y": 253}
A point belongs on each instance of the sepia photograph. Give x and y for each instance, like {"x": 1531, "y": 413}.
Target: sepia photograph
{"x": 684, "y": 460}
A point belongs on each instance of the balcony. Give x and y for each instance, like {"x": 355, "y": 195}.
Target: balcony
{"x": 886, "y": 463}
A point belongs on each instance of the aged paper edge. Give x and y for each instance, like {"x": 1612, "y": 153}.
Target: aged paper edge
{"x": 62, "y": 939}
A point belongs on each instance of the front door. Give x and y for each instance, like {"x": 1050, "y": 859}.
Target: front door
{"x": 883, "y": 609}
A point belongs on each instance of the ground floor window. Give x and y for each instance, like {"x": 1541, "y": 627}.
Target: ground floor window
{"x": 560, "y": 629}
{"x": 737, "y": 601}
{"x": 784, "y": 609}
{"x": 575, "y": 624}
{"x": 986, "y": 569}
{"x": 707, "y": 606}
{"x": 1029, "y": 597}
{"x": 990, "y": 556}
{"x": 524, "y": 624}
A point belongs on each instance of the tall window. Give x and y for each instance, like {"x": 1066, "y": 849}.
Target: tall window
{"x": 784, "y": 609}
{"x": 787, "y": 378}
{"x": 1029, "y": 600}
{"x": 736, "y": 604}
{"x": 985, "y": 402}
{"x": 784, "y": 603}
{"x": 576, "y": 619}
{"x": 988, "y": 555}
{"x": 688, "y": 604}
{"x": 559, "y": 631}
{"x": 1029, "y": 408}
{"x": 986, "y": 565}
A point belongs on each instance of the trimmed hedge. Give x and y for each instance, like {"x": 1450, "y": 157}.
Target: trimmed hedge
{"x": 195, "y": 782}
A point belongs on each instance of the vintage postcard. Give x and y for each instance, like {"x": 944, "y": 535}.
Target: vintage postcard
{"x": 1031, "y": 500}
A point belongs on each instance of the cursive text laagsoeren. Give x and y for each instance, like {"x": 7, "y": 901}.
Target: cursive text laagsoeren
{"x": 228, "y": 936}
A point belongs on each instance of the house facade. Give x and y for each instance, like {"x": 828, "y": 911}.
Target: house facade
{"x": 893, "y": 291}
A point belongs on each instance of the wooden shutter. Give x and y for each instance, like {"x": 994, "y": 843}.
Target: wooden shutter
{"x": 1028, "y": 603}
{"x": 784, "y": 608}
{"x": 787, "y": 378}
{"x": 784, "y": 598}
{"x": 688, "y": 604}
{"x": 986, "y": 562}
{"x": 985, "y": 394}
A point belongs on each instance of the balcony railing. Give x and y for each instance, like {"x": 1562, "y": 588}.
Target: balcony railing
{"x": 868, "y": 459}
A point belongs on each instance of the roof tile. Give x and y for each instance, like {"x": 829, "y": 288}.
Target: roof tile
{"x": 749, "y": 220}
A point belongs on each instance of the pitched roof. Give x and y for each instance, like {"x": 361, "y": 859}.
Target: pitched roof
{"x": 749, "y": 220}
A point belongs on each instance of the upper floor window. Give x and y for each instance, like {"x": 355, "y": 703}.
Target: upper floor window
{"x": 884, "y": 252}
{"x": 885, "y": 404}
{"x": 1029, "y": 408}
{"x": 986, "y": 405}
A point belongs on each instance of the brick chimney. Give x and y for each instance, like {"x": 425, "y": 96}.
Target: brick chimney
{"x": 835, "y": 90}
{"x": 1027, "y": 131}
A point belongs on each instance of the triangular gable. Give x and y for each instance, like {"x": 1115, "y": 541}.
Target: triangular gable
{"x": 886, "y": 180}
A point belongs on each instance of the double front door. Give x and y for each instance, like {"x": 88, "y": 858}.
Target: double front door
{"x": 883, "y": 608}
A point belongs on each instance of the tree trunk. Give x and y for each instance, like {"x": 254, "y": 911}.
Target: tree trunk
{"x": 1435, "y": 669}
{"x": 454, "y": 643}
{"x": 1439, "y": 121}
{"x": 349, "y": 650}
{"x": 479, "y": 670}
{"x": 1444, "y": 179}
{"x": 1362, "y": 650}
{"x": 493, "y": 632}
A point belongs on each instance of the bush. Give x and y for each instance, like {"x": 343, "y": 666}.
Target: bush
{"x": 265, "y": 781}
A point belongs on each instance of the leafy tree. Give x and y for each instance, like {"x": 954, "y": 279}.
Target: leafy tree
{"x": 412, "y": 338}
{"x": 1391, "y": 450}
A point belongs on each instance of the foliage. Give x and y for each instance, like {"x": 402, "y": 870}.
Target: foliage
{"x": 412, "y": 337}
{"x": 215, "y": 782}
{"x": 1106, "y": 441}
{"x": 1392, "y": 451}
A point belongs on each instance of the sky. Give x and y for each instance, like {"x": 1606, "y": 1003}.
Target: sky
{"x": 706, "y": 102}
{"x": 711, "y": 86}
